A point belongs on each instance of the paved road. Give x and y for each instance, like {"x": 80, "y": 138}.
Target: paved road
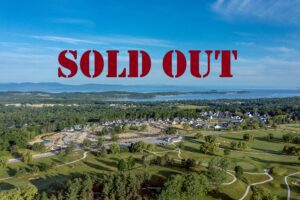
{"x": 287, "y": 184}
{"x": 36, "y": 156}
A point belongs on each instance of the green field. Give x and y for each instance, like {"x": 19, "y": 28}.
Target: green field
{"x": 260, "y": 154}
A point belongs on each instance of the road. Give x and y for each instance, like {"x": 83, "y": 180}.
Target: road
{"x": 36, "y": 156}
{"x": 287, "y": 184}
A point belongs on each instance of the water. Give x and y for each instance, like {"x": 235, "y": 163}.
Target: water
{"x": 249, "y": 94}
{"x": 189, "y": 92}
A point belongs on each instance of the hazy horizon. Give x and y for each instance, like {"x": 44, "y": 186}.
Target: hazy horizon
{"x": 209, "y": 87}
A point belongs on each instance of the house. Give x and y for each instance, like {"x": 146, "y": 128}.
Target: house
{"x": 248, "y": 114}
{"x": 205, "y": 126}
{"x": 217, "y": 126}
{"x": 172, "y": 140}
{"x": 68, "y": 129}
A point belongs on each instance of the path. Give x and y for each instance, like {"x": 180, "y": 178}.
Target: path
{"x": 287, "y": 184}
{"x": 74, "y": 161}
{"x": 233, "y": 180}
{"x": 257, "y": 183}
{"x": 68, "y": 163}
{"x": 179, "y": 156}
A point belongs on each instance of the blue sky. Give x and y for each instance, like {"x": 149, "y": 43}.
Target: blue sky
{"x": 266, "y": 34}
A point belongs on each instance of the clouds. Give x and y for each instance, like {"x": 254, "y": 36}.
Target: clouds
{"x": 106, "y": 40}
{"x": 73, "y": 21}
{"x": 282, "y": 49}
{"x": 277, "y": 11}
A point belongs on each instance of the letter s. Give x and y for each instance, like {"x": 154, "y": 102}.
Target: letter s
{"x": 67, "y": 63}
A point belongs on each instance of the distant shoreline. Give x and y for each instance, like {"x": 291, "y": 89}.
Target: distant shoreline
{"x": 119, "y": 96}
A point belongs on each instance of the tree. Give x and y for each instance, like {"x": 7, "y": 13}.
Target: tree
{"x": 100, "y": 143}
{"x": 217, "y": 170}
{"x": 288, "y": 137}
{"x": 123, "y": 185}
{"x": 208, "y": 148}
{"x": 172, "y": 188}
{"x": 233, "y": 145}
{"x": 38, "y": 147}
{"x": 14, "y": 150}
{"x": 259, "y": 193}
{"x": 195, "y": 186}
{"x": 163, "y": 160}
{"x": 3, "y": 161}
{"x": 4, "y": 143}
{"x": 146, "y": 161}
{"x": 44, "y": 196}
{"x": 199, "y": 135}
{"x": 291, "y": 150}
{"x": 138, "y": 146}
{"x": 125, "y": 128}
{"x": 44, "y": 167}
{"x": 171, "y": 131}
{"x": 150, "y": 147}
{"x": 118, "y": 129}
{"x": 122, "y": 165}
{"x": 186, "y": 186}
{"x": 104, "y": 131}
{"x": 227, "y": 152}
{"x": 114, "y": 148}
{"x": 188, "y": 163}
{"x": 28, "y": 192}
{"x": 114, "y": 137}
{"x": 102, "y": 152}
{"x": 27, "y": 157}
{"x": 204, "y": 148}
{"x": 73, "y": 189}
{"x": 86, "y": 192}
{"x": 180, "y": 145}
{"x": 210, "y": 138}
{"x": 229, "y": 127}
{"x": 130, "y": 162}
{"x": 238, "y": 171}
{"x": 247, "y": 137}
{"x": 20, "y": 172}
{"x": 86, "y": 143}
{"x": 242, "y": 145}
{"x": 270, "y": 136}
{"x": 52, "y": 197}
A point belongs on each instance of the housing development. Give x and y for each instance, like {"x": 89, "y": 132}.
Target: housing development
{"x": 70, "y": 148}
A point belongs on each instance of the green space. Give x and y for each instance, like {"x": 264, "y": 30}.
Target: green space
{"x": 259, "y": 154}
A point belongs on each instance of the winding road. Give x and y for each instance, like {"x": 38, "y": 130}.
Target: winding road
{"x": 257, "y": 183}
{"x": 287, "y": 184}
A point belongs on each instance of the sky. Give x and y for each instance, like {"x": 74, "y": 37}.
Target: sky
{"x": 265, "y": 33}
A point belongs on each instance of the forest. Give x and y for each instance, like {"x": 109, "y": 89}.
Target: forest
{"x": 20, "y": 124}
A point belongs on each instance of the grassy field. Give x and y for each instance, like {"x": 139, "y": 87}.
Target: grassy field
{"x": 259, "y": 155}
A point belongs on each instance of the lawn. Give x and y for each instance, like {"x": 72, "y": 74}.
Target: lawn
{"x": 259, "y": 155}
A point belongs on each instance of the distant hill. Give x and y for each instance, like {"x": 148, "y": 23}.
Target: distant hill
{"x": 58, "y": 87}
